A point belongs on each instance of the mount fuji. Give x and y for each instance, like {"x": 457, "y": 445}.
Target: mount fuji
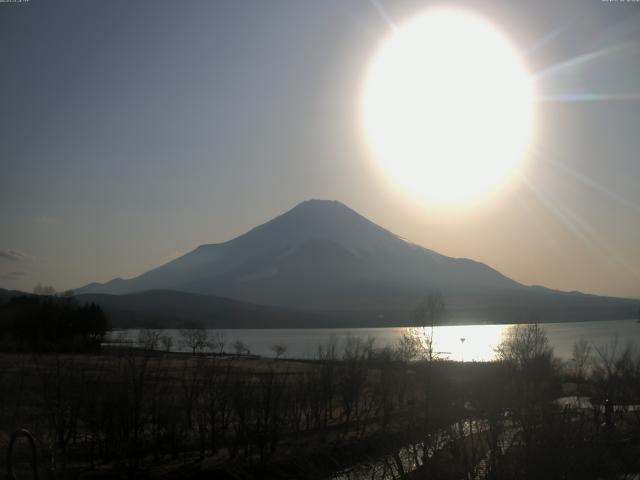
{"x": 322, "y": 256}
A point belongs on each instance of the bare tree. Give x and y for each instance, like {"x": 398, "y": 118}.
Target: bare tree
{"x": 240, "y": 347}
{"x": 218, "y": 407}
{"x": 330, "y": 350}
{"x": 217, "y": 342}
{"x": 149, "y": 339}
{"x": 62, "y": 397}
{"x": 616, "y": 372}
{"x": 524, "y": 345}
{"x": 580, "y": 358}
{"x": 428, "y": 314}
{"x": 193, "y": 383}
{"x": 431, "y": 310}
{"x": 279, "y": 349}
{"x": 166, "y": 341}
{"x": 409, "y": 346}
{"x": 195, "y": 338}
{"x": 370, "y": 347}
{"x": 353, "y": 348}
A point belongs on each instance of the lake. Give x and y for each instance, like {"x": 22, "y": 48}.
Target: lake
{"x": 478, "y": 344}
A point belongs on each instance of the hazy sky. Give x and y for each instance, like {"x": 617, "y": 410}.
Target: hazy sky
{"x": 134, "y": 131}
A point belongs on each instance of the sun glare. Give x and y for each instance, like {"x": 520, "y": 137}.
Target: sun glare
{"x": 447, "y": 108}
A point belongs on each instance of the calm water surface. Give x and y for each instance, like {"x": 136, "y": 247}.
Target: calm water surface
{"x": 479, "y": 340}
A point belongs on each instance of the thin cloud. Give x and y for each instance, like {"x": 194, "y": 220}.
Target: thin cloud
{"x": 12, "y": 275}
{"x": 15, "y": 255}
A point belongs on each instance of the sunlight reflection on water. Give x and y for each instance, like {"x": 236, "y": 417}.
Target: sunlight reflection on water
{"x": 479, "y": 340}
{"x": 468, "y": 342}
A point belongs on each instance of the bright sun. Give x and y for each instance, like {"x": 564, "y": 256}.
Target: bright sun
{"x": 447, "y": 107}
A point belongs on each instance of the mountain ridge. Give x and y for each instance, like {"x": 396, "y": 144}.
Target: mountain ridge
{"x": 174, "y": 309}
{"x": 310, "y": 223}
{"x": 324, "y": 257}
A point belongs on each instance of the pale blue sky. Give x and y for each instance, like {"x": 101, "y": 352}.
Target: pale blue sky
{"x": 133, "y": 131}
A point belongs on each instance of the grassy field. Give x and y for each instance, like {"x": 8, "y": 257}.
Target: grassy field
{"x": 131, "y": 413}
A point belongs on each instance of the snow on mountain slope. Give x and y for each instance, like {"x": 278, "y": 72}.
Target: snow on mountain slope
{"x": 320, "y": 254}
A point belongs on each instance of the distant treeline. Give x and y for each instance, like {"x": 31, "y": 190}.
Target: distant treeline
{"x": 50, "y": 323}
